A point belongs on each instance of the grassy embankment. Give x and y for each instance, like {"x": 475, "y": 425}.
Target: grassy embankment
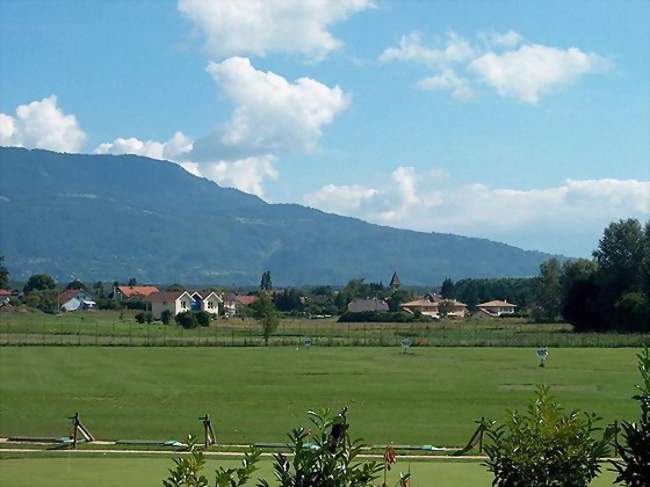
{"x": 114, "y": 328}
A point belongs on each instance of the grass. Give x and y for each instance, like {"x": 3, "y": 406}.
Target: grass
{"x": 115, "y": 328}
{"x": 74, "y": 471}
{"x": 429, "y": 396}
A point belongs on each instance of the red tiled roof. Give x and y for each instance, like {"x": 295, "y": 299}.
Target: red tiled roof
{"x": 164, "y": 296}
{"x": 497, "y": 303}
{"x": 5, "y": 292}
{"x": 67, "y": 295}
{"x": 131, "y": 291}
{"x": 246, "y": 300}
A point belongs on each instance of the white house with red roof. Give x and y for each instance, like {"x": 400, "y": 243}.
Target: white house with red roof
{"x": 496, "y": 308}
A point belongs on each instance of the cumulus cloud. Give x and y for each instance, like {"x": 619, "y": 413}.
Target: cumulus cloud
{"x": 576, "y": 210}
{"x": 247, "y": 174}
{"x": 257, "y": 27}
{"x": 271, "y": 115}
{"x": 178, "y": 145}
{"x": 448, "y": 80}
{"x": 524, "y": 72}
{"x": 43, "y": 125}
{"x": 341, "y": 199}
{"x": 533, "y": 70}
{"x": 503, "y": 39}
{"x": 410, "y": 48}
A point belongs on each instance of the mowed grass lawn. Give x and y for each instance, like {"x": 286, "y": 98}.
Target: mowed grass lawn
{"x": 429, "y": 396}
{"x": 71, "y": 471}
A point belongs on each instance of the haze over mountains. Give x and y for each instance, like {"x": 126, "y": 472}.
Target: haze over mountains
{"x": 104, "y": 217}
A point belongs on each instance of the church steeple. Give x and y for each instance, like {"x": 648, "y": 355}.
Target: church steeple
{"x": 394, "y": 281}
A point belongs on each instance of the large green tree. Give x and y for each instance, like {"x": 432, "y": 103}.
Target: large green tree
{"x": 4, "y": 274}
{"x": 39, "y": 282}
{"x": 548, "y": 297}
{"x": 76, "y": 284}
{"x": 619, "y": 254}
{"x": 448, "y": 289}
{"x": 266, "y": 283}
{"x": 267, "y": 316}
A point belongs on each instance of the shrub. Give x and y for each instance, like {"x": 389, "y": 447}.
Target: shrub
{"x": 634, "y": 467}
{"x": 166, "y": 317}
{"x": 633, "y": 311}
{"x": 545, "y": 446}
{"x": 383, "y": 317}
{"x": 326, "y": 457}
{"x": 203, "y": 318}
{"x": 109, "y": 304}
{"x": 188, "y": 468}
{"x": 186, "y": 319}
{"x": 144, "y": 317}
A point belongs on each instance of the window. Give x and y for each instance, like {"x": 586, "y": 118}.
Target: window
{"x": 183, "y": 304}
{"x": 210, "y": 304}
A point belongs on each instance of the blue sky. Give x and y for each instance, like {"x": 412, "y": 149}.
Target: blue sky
{"x": 525, "y": 122}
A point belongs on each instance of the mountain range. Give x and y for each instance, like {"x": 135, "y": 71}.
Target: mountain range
{"x": 106, "y": 217}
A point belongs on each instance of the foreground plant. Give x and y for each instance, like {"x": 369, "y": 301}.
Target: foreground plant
{"x": 634, "y": 467}
{"x": 323, "y": 456}
{"x": 187, "y": 472}
{"x": 545, "y": 447}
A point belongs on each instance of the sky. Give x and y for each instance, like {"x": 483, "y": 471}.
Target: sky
{"x": 519, "y": 121}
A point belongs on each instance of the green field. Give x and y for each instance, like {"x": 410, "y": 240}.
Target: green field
{"x": 72, "y": 471}
{"x": 429, "y": 396}
{"x": 115, "y": 328}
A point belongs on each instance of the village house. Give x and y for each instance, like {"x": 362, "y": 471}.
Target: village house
{"x": 430, "y": 304}
{"x": 207, "y": 301}
{"x": 75, "y": 300}
{"x": 173, "y": 301}
{"x": 496, "y": 308}
{"x": 361, "y": 305}
{"x": 5, "y": 296}
{"x": 180, "y": 301}
{"x": 122, "y": 293}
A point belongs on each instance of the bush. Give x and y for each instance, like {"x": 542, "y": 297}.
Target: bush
{"x": 108, "y": 304}
{"x": 166, "y": 317}
{"x": 136, "y": 305}
{"x": 545, "y": 447}
{"x": 324, "y": 457}
{"x": 144, "y": 317}
{"x": 633, "y": 312}
{"x": 634, "y": 467}
{"x": 186, "y": 319}
{"x": 203, "y": 318}
{"x": 383, "y": 317}
{"x": 581, "y": 307}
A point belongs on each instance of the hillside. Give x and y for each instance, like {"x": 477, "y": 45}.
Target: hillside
{"x": 103, "y": 217}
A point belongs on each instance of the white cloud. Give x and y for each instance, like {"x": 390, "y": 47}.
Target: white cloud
{"x": 525, "y": 72}
{"x": 247, "y": 174}
{"x": 534, "y": 70}
{"x": 257, "y": 27}
{"x": 271, "y": 115}
{"x": 340, "y": 199}
{"x": 503, "y": 39}
{"x": 43, "y": 125}
{"x": 566, "y": 218}
{"x": 178, "y": 145}
{"x": 410, "y": 48}
{"x": 448, "y": 80}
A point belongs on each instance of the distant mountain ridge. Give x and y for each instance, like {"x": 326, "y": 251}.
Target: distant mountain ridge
{"x": 104, "y": 217}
